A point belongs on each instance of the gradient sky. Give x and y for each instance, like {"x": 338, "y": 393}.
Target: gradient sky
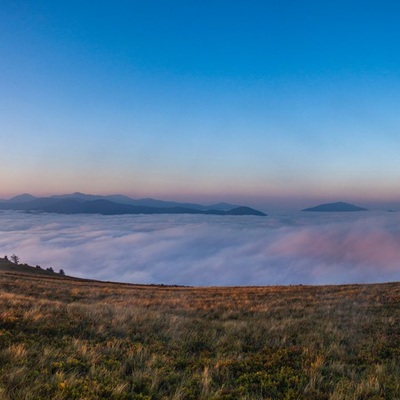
{"x": 264, "y": 102}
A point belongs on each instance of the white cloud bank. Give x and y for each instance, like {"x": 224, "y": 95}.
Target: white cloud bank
{"x": 304, "y": 248}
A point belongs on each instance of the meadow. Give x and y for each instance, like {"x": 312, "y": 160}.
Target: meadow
{"x": 65, "y": 338}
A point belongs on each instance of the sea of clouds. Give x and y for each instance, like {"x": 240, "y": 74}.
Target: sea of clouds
{"x": 298, "y": 248}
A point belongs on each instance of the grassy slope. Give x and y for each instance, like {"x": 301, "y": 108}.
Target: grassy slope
{"x": 74, "y": 339}
{"x": 8, "y": 266}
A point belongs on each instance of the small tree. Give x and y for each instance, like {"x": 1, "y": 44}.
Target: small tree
{"x": 14, "y": 259}
{"x": 50, "y": 269}
{"x": 62, "y": 272}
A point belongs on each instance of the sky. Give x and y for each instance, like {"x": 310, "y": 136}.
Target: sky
{"x": 199, "y": 250}
{"x": 267, "y": 103}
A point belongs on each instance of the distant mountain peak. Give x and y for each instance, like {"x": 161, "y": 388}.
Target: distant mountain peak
{"x": 22, "y": 198}
{"x": 339, "y": 206}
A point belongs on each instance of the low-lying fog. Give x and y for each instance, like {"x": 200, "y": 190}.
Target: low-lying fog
{"x": 299, "y": 248}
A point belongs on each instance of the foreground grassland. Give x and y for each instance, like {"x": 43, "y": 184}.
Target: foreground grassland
{"x": 69, "y": 339}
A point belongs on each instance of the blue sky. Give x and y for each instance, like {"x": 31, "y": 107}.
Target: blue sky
{"x": 262, "y": 102}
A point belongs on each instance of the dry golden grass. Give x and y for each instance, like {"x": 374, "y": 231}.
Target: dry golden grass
{"x": 76, "y": 339}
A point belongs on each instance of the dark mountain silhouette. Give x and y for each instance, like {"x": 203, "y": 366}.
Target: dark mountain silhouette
{"x": 149, "y": 202}
{"x": 244, "y": 211}
{"x": 222, "y": 206}
{"x": 107, "y": 207}
{"x": 23, "y": 198}
{"x": 146, "y": 202}
{"x": 38, "y": 204}
{"x": 79, "y": 203}
{"x": 336, "y": 207}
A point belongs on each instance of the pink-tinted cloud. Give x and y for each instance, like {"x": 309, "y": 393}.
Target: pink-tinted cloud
{"x": 302, "y": 248}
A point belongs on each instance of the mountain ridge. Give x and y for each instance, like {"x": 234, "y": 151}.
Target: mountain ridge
{"x": 339, "y": 206}
{"x": 80, "y": 203}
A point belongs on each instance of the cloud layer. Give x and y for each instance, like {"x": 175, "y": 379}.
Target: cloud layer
{"x": 304, "y": 248}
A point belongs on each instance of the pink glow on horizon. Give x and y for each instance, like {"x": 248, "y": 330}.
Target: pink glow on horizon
{"x": 277, "y": 195}
{"x": 343, "y": 245}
